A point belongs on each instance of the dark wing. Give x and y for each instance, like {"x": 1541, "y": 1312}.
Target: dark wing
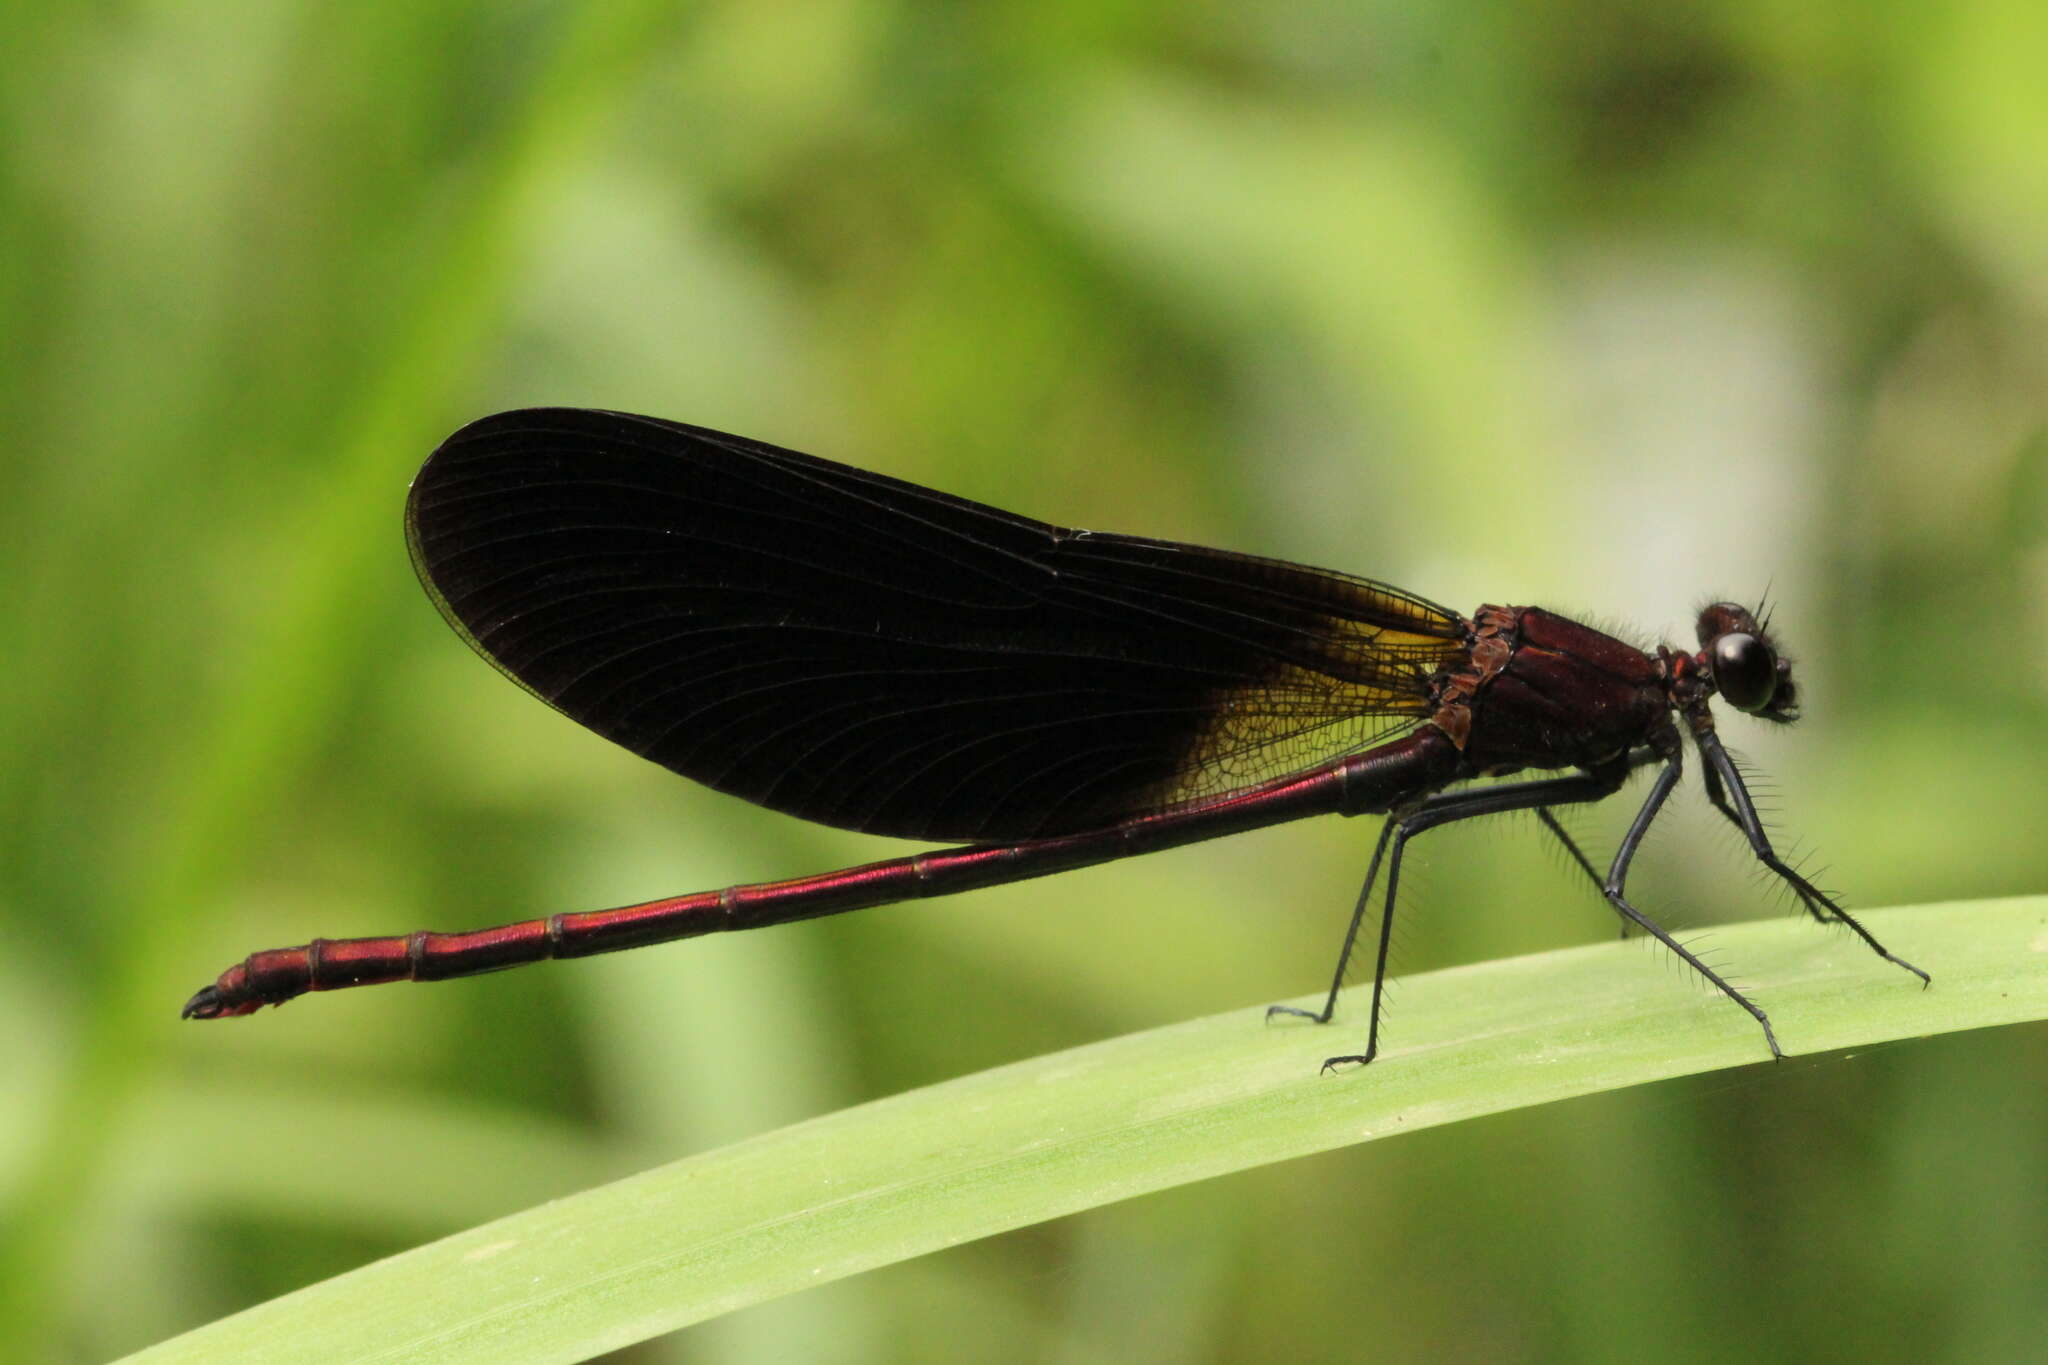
{"x": 867, "y": 653}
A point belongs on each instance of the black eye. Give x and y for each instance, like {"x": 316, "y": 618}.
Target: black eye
{"x": 1744, "y": 671}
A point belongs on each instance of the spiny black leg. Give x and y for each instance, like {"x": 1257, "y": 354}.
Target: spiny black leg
{"x": 1329, "y": 1008}
{"x": 1571, "y": 846}
{"x": 1637, "y": 758}
{"x": 1711, "y": 777}
{"x": 1402, "y": 832}
{"x": 1443, "y": 809}
{"x": 1745, "y": 817}
{"x": 1617, "y": 883}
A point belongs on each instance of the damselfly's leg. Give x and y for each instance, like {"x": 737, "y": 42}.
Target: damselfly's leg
{"x": 1814, "y": 904}
{"x": 1571, "y": 846}
{"x": 1617, "y": 885}
{"x": 1637, "y": 758}
{"x": 1442, "y": 809}
{"x": 1734, "y": 802}
{"x": 1372, "y": 872}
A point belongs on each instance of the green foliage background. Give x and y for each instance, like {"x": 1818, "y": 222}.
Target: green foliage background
{"x": 1605, "y": 308}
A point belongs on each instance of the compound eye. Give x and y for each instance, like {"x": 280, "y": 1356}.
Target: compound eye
{"x": 1744, "y": 671}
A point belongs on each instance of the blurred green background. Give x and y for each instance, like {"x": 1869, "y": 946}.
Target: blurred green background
{"x": 1608, "y": 308}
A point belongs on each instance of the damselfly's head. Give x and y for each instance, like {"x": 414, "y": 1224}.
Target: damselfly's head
{"x": 1747, "y": 669}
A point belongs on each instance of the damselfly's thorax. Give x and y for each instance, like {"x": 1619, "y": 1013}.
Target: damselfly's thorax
{"x": 1544, "y": 691}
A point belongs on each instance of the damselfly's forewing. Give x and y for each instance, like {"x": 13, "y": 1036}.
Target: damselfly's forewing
{"x": 871, "y": 654}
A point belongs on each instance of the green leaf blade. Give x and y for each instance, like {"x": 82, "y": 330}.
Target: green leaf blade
{"x": 900, "y": 1177}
